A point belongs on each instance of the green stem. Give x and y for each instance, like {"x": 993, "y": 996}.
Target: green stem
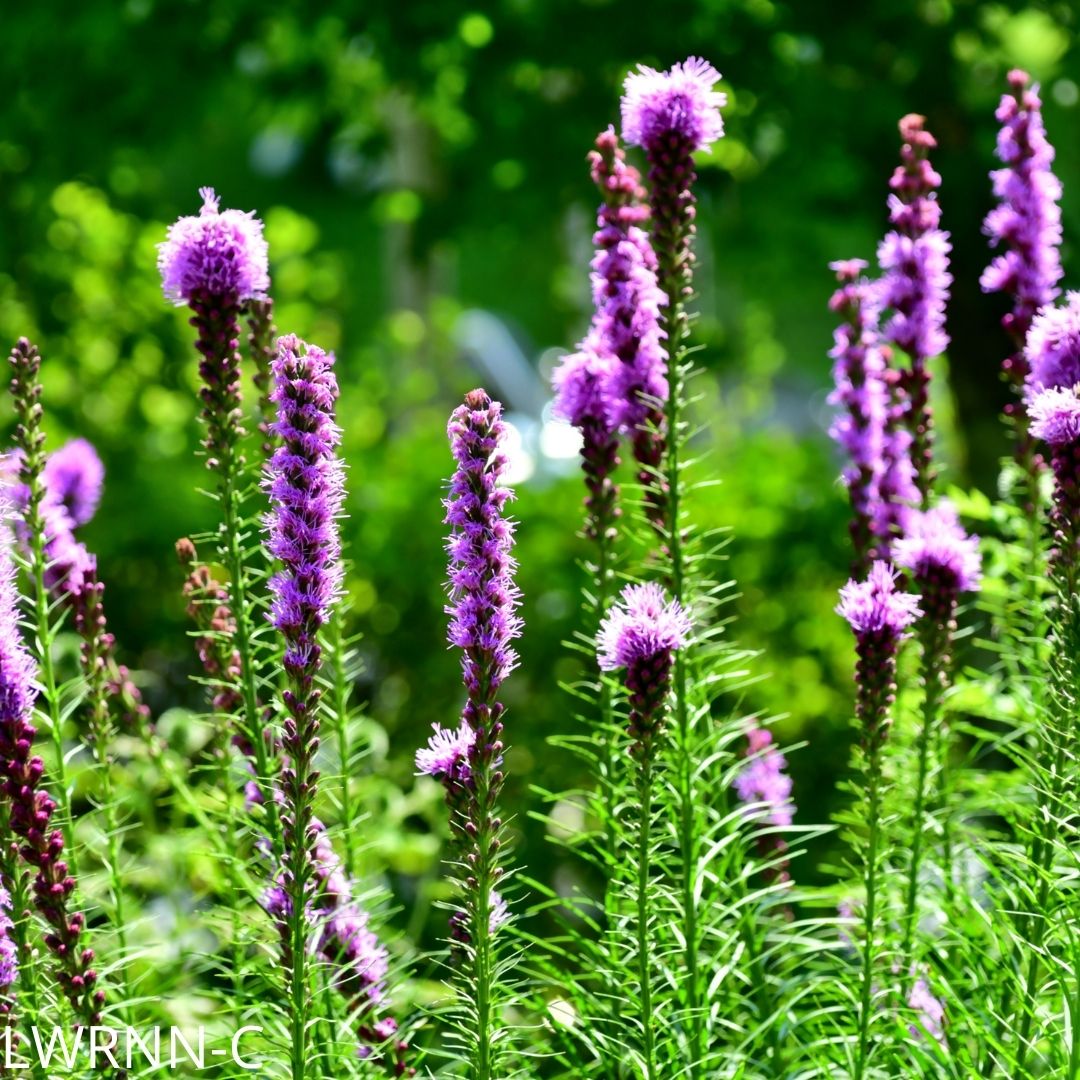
{"x": 480, "y": 930}
{"x": 874, "y": 782}
{"x": 644, "y": 953}
{"x": 340, "y": 695}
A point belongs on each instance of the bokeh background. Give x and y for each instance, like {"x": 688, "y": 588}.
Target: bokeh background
{"x": 421, "y": 170}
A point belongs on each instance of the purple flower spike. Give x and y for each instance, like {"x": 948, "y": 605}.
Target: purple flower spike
{"x": 880, "y": 615}
{"x": 762, "y": 781}
{"x": 446, "y": 756}
{"x": 1027, "y": 219}
{"x": 641, "y": 634}
{"x": 681, "y": 102}
{"x": 483, "y": 596}
{"x": 305, "y": 482}
{"x": 937, "y": 551}
{"x": 220, "y": 253}
{"x": 1055, "y": 419}
{"x": 914, "y": 258}
{"x": 930, "y": 1011}
{"x": 1052, "y": 348}
{"x": 74, "y": 477}
{"x": 9, "y": 956}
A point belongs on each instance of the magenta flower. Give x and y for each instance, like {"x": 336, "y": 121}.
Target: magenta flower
{"x": 681, "y": 102}
{"x": 876, "y": 607}
{"x": 938, "y": 552}
{"x": 1027, "y": 219}
{"x": 1052, "y": 349}
{"x": 643, "y": 626}
{"x": 305, "y": 483}
{"x": 220, "y": 253}
{"x": 762, "y": 782}
{"x": 1055, "y": 417}
{"x": 446, "y": 756}
{"x": 74, "y": 477}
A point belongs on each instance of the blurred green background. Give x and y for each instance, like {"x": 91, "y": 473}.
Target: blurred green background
{"x": 421, "y": 170}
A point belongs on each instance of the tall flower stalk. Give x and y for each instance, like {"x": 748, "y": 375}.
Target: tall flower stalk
{"x": 216, "y": 264}
{"x": 641, "y": 634}
{"x": 914, "y": 259}
{"x": 305, "y": 486}
{"x": 483, "y": 602}
{"x": 879, "y": 615}
{"x": 673, "y": 115}
{"x": 31, "y": 811}
{"x": 1026, "y": 222}
{"x": 944, "y": 563}
{"x": 30, "y": 440}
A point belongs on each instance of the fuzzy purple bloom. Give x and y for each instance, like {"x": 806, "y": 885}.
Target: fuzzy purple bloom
{"x": 876, "y": 607}
{"x": 74, "y": 477}
{"x": 936, "y": 549}
{"x": 1052, "y": 348}
{"x": 762, "y": 782}
{"x": 916, "y": 286}
{"x": 642, "y": 626}
{"x": 220, "y": 252}
{"x": 446, "y": 755}
{"x": 1055, "y": 417}
{"x": 305, "y": 482}
{"x": 483, "y": 595}
{"x": 681, "y": 101}
{"x": 1027, "y": 219}
{"x": 582, "y": 384}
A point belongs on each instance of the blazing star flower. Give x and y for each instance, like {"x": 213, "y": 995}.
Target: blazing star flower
{"x": 1052, "y": 348}
{"x": 446, "y": 755}
{"x": 936, "y": 550}
{"x": 1055, "y": 417}
{"x": 218, "y": 253}
{"x": 1027, "y": 219}
{"x": 9, "y": 956}
{"x": 876, "y": 607}
{"x": 645, "y": 624}
{"x": 582, "y": 386}
{"x": 762, "y": 781}
{"x": 681, "y": 103}
{"x": 74, "y": 477}
{"x": 305, "y": 482}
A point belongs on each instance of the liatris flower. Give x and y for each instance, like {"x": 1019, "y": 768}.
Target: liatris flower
{"x": 765, "y": 788}
{"x": 880, "y": 615}
{"x": 483, "y": 602}
{"x": 581, "y": 397}
{"x": 762, "y": 782}
{"x": 74, "y": 476}
{"x": 1027, "y": 219}
{"x": 305, "y": 484}
{"x": 672, "y": 115}
{"x": 944, "y": 562}
{"x": 1055, "y": 419}
{"x": 861, "y": 392}
{"x": 1052, "y": 349}
{"x": 641, "y": 633}
{"x": 914, "y": 258}
{"x": 31, "y": 810}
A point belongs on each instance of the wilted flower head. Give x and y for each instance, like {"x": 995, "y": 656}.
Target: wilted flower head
{"x": 74, "y": 476}
{"x": 447, "y": 753}
{"x": 934, "y": 546}
{"x": 681, "y": 101}
{"x": 643, "y": 624}
{"x": 876, "y": 606}
{"x": 221, "y": 252}
{"x": 1053, "y": 346}
{"x": 1055, "y": 416}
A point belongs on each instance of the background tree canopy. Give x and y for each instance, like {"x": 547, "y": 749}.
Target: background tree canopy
{"x": 421, "y": 169}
